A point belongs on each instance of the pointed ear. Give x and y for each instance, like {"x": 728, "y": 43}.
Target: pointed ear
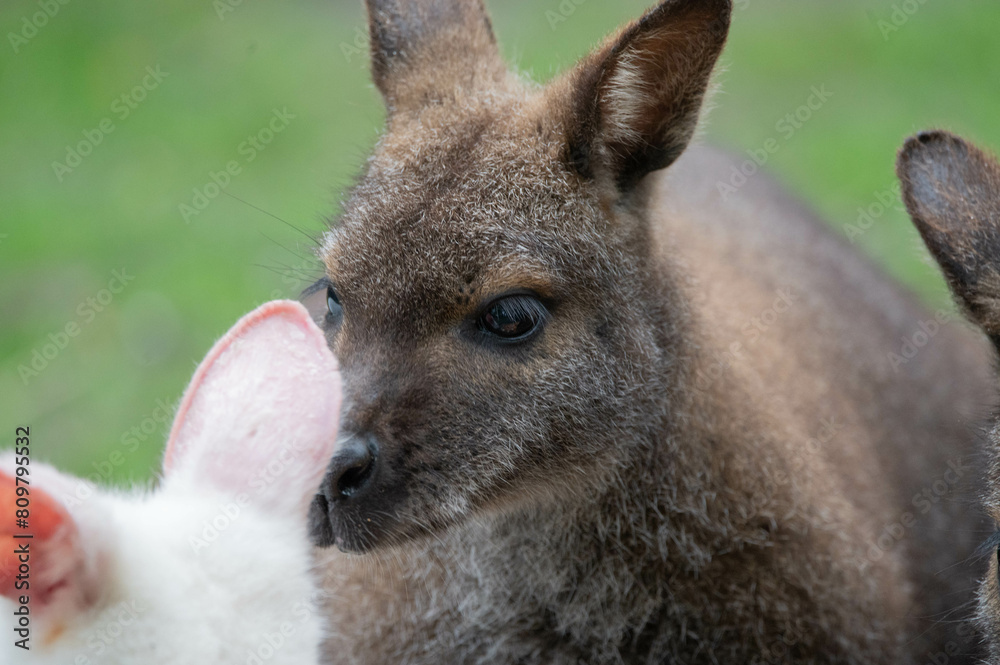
{"x": 424, "y": 50}
{"x": 952, "y": 192}
{"x": 635, "y": 103}
{"x": 66, "y": 560}
{"x": 260, "y": 416}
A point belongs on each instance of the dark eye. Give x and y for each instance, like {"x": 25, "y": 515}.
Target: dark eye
{"x": 332, "y": 303}
{"x": 513, "y": 318}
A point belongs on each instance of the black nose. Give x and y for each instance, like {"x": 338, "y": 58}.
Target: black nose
{"x": 351, "y": 469}
{"x": 356, "y": 501}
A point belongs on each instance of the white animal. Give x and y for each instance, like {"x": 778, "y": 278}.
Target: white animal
{"x": 214, "y": 565}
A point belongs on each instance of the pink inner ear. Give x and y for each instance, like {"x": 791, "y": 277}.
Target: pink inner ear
{"x": 260, "y": 415}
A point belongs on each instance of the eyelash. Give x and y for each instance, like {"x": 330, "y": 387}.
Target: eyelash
{"x": 333, "y": 306}
{"x": 516, "y": 305}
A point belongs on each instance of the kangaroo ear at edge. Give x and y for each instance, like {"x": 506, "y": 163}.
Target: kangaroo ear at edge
{"x": 952, "y": 191}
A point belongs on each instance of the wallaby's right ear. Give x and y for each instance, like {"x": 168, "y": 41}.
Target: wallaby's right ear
{"x": 952, "y": 192}
{"x": 635, "y": 103}
{"x": 423, "y": 50}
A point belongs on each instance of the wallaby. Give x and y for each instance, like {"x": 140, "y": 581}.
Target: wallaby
{"x": 597, "y": 412}
{"x": 952, "y": 191}
{"x": 215, "y": 565}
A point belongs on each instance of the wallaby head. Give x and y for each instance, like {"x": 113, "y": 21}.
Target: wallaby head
{"x": 213, "y": 566}
{"x": 952, "y": 191}
{"x": 490, "y": 289}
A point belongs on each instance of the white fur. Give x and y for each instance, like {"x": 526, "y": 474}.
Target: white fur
{"x": 165, "y": 603}
{"x": 202, "y": 570}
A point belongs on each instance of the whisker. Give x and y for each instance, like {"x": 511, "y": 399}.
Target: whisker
{"x": 312, "y": 240}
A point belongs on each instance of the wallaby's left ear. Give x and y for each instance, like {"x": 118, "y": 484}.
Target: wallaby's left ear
{"x": 636, "y": 101}
{"x": 260, "y": 416}
{"x": 952, "y": 192}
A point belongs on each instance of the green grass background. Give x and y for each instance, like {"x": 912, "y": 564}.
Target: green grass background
{"x": 60, "y": 241}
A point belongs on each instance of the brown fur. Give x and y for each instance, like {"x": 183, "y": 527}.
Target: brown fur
{"x": 600, "y": 493}
{"x": 952, "y": 191}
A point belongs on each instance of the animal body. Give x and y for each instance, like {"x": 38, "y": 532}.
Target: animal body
{"x": 596, "y": 412}
{"x": 213, "y": 566}
{"x": 952, "y": 192}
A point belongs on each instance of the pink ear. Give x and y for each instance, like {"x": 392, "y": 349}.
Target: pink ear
{"x": 63, "y": 574}
{"x": 261, "y": 413}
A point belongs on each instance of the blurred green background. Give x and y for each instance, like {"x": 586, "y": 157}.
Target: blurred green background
{"x": 98, "y": 405}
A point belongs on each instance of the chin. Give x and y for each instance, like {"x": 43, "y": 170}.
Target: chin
{"x": 351, "y": 530}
